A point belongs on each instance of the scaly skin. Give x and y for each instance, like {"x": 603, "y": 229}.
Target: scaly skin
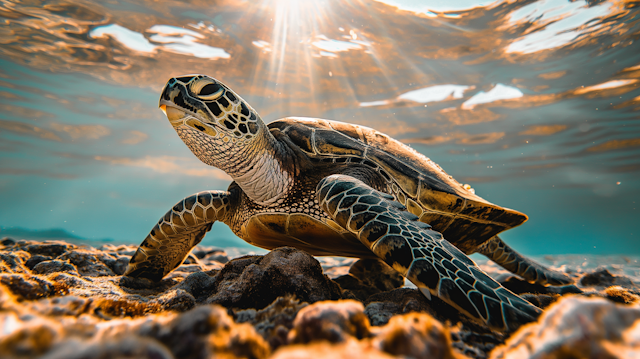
{"x": 509, "y": 259}
{"x": 177, "y": 232}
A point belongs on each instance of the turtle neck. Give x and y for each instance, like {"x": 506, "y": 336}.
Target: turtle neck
{"x": 259, "y": 171}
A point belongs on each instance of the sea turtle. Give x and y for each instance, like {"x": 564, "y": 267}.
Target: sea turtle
{"x": 332, "y": 188}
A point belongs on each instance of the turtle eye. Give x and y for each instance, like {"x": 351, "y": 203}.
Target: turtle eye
{"x": 210, "y": 92}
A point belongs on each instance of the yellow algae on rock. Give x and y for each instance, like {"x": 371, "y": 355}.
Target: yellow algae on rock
{"x": 350, "y": 349}
{"x": 622, "y": 295}
{"x": 26, "y": 286}
{"x": 14, "y": 262}
{"x": 59, "y": 300}
{"x": 413, "y": 335}
{"x": 333, "y": 321}
{"x": 274, "y": 321}
{"x": 203, "y": 332}
{"x": 416, "y": 335}
{"x": 27, "y": 338}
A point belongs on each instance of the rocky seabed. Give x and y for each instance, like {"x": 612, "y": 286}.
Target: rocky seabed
{"x": 60, "y": 300}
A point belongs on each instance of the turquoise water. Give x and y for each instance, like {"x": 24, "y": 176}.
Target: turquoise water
{"x": 535, "y": 104}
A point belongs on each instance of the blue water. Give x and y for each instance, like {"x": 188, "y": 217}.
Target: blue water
{"x": 535, "y": 104}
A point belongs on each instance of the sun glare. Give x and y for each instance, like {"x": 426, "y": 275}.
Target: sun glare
{"x": 295, "y": 26}
{"x": 312, "y": 43}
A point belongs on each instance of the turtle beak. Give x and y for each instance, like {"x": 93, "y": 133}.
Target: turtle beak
{"x": 175, "y": 115}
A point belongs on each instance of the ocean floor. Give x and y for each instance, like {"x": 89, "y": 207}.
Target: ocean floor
{"x": 60, "y": 300}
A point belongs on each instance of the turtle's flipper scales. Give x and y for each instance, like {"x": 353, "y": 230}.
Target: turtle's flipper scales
{"x": 173, "y": 237}
{"x": 499, "y": 252}
{"x": 421, "y": 254}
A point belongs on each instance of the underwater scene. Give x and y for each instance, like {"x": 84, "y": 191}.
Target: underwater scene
{"x": 123, "y": 124}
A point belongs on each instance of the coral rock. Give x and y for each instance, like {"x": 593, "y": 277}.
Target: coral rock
{"x": 127, "y": 348}
{"x": 27, "y": 339}
{"x": 382, "y": 306}
{"x": 621, "y": 295}
{"x": 28, "y": 287}
{"x": 202, "y": 332}
{"x": 416, "y": 335}
{"x": 89, "y": 262}
{"x": 331, "y": 321}
{"x": 369, "y": 276}
{"x": 540, "y": 300}
{"x": 59, "y": 300}
{"x": 519, "y": 286}
{"x": 274, "y": 321}
{"x": 603, "y": 278}
{"x": 376, "y": 273}
{"x": 50, "y": 248}
{"x": 14, "y": 262}
{"x": 577, "y": 327}
{"x": 323, "y": 350}
{"x": 211, "y": 254}
{"x": 256, "y": 281}
{"x": 6, "y": 241}
{"x": 35, "y": 259}
{"x": 46, "y": 267}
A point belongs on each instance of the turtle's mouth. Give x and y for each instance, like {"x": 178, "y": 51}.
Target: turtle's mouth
{"x": 178, "y": 117}
{"x": 175, "y": 115}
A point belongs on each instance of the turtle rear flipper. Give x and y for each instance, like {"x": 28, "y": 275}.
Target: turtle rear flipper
{"x": 173, "y": 237}
{"x": 505, "y": 256}
{"x": 421, "y": 254}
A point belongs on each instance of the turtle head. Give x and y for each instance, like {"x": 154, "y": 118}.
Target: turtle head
{"x": 211, "y": 119}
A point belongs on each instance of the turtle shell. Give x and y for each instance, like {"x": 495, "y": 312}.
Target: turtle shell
{"x": 463, "y": 218}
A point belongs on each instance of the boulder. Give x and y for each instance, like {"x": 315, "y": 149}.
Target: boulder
{"x": 578, "y": 327}
{"x": 332, "y": 321}
{"x": 256, "y": 281}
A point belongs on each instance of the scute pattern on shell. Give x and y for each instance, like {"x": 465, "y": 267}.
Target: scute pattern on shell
{"x": 415, "y": 181}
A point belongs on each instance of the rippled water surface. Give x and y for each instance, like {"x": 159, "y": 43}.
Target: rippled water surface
{"x": 536, "y": 104}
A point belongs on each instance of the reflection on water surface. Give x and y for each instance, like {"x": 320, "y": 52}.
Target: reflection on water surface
{"x": 534, "y": 103}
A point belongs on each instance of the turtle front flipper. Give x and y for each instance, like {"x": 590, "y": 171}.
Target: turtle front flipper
{"x": 505, "y": 256}
{"x": 181, "y": 228}
{"x": 421, "y": 254}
